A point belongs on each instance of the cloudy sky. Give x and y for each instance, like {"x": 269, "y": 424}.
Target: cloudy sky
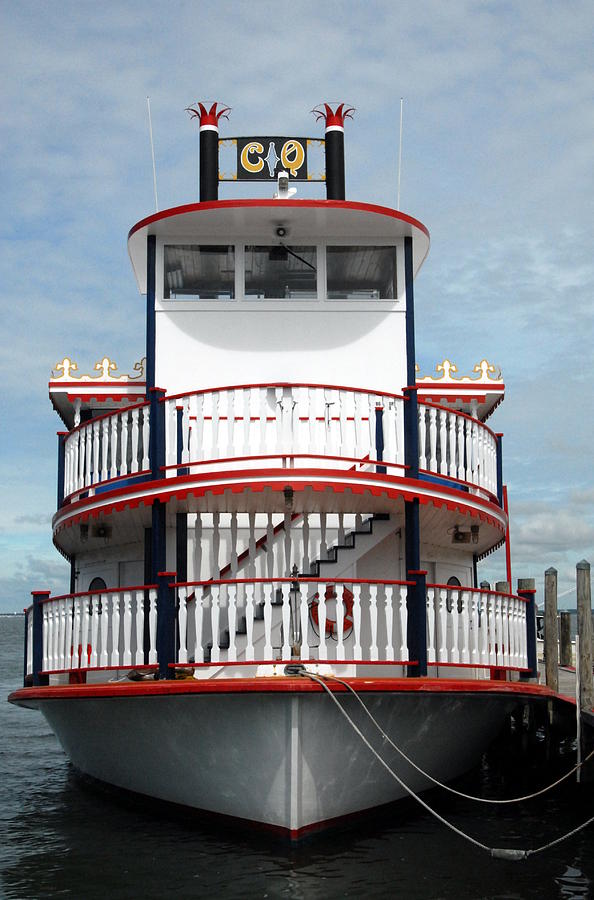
{"x": 497, "y": 162}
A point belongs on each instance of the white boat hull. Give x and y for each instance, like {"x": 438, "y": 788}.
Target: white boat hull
{"x": 287, "y": 760}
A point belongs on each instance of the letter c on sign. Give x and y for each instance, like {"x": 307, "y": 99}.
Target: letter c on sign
{"x": 254, "y": 147}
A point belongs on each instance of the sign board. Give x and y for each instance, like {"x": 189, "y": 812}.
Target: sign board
{"x": 262, "y": 158}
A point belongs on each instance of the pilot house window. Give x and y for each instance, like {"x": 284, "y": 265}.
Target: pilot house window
{"x": 361, "y": 273}
{"x": 199, "y": 272}
{"x": 278, "y": 272}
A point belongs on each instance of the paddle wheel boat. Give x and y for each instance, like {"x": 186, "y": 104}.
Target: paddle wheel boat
{"x": 277, "y": 491}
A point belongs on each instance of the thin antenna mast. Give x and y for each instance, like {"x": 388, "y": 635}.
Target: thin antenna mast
{"x": 148, "y": 104}
{"x": 400, "y": 153}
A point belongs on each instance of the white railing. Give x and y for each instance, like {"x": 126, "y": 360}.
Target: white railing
{"x": 265, "y": 424}
{"x": 472, "y": 627}
{"x": 284, "y": 419}
{"x": 457, "y": 446}
{"x": 279, "y": 619}
{"x": 108, "y": 447}
{"x": 100, "y": 630}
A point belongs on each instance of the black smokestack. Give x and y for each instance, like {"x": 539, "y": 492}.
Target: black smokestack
{"x": 209, "y": 148}
{"x": 334, "y": 120}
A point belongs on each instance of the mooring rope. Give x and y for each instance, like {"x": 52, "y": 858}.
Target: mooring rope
{"x": 495, "y": 852}
{"x": 447, "y": 787}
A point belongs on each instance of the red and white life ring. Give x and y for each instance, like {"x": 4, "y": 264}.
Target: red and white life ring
{"x": 331, "y": 624}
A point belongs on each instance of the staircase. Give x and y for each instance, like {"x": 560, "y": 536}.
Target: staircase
{"x": 339, "y": 558}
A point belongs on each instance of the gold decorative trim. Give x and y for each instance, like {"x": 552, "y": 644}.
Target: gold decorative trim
{"x": 485, "y": 371}
{"x": 106, "y": 368}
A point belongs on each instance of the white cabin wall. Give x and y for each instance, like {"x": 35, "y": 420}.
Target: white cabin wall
{"x": 119, "y": 565}
{"x": 200, "y": 348}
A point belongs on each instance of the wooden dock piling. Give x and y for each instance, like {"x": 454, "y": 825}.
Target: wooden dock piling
{"x": 584, "y": 624}
{"x": 551, "y": 645}
{"x": 565, "y": 654}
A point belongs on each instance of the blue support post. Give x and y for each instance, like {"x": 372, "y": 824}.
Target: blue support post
{"x": 527, "y": 590}
{"x": 157, "y": 431}
{"x": 416, "y": 599}
{"x": 151, "y": 285}
{"x": 38, "y": 599}
{"x": 379, "y": 438}
{"x": 165, "y": 624}
{"x": 61, "y": 459}
{"x": 180, "y": 441}
{"x": 499, "y": 437}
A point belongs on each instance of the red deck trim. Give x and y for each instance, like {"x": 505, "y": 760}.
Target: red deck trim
{"x": 285, "y": 384}
{"x": 299, "y": 204}
{"x": 256, "y": 480}
{"x": 279, "y": 684}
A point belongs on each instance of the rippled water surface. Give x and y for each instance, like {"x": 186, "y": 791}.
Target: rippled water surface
{"x": 60, "y": 837}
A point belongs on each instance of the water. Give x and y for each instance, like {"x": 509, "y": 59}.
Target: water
{"x": 61, "y": 838}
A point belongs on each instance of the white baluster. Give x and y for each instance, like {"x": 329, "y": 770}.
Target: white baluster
{"x": 304, "y": 613}
{"x": 339, "y": 590}
{"x": 270, "y": 547}
{"x": 145, "y": 437}
{"x": 104, "y": 621}
{"x": 422, "y": 437}
{"x": 389, "y": 600}
{"x": 263, "y": 419}
{"x": 248, "y": 450}
{"x": 104, "y": 426}
{"x": 88, "y": 453}
{"x": 357, "y": 621}
{"x": 216, "y": 543}
{"x": 474, "y": 630}
{"x": 45, "y": 638}
{"x": 76, "y": 636}
{"x": 323, "y": 649}
{"x": 115, "y": 630}
{"x": 433, "y": 439}
{"x": 305, "y": 537}
{"x": 311, "y": 419}
{"x": 288, "y": 543}
{"x": 344, "y": 448}
{"x": 152, "y": 657}
{"x": 443, "y": 441}
{"x": 96, "y": 468}
{"x": 465, "y": 627}
{"x": 198, "y": 547}
{"x": 94, "y": 610}
{"x": 125, "y": 418}
{"x": 113, "y": 443}
{"x": 232, "y": 621}
{"x": 215, "y": 600}
{"x": 134, "y": 440}
{"x": 252, "y": 545}
{"x": 403, "y": 620}
{"x": 442, "y": 626}
{"x": 373, "y": 648}
{"x": 460, "y": 447}
{"x": 249, "y": 622}
{"x": 230, "y": 395}
{"x": 234, "y": 554}
{"x": 139, "y": 620}
{"x": 286, "y": 620}
{"x": 268, "y": 588}
{"x": 484, "y": 629}
{"x": 127, "y": 648}
{"x": 200, "y": 598}
{"x": 215, "y": 399}
{"x": 431, "y": 657}
{"x": 323, "y": 543}
{"x": 454, "y": 655}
